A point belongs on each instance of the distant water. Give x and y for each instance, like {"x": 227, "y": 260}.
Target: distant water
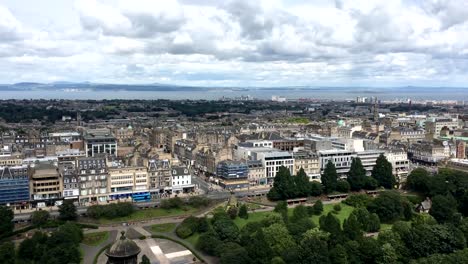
{"x": 414, "y": 93}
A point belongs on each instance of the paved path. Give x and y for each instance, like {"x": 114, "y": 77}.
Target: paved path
{"x": 91, "y": 251}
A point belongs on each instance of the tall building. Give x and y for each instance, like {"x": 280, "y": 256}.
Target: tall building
{"x": 461, "y": 150}
{"x": 128, "y": 183}
{"x": 181, "y": 180}
{"x": 341, "y": 158}
{"x": 46, "y": 185}
{"x": 14, "y": 185}
{"x": 233, "y": 174}
{"x": 93, "y": 176}
{"x": 159, "y": 176}
{"x": 100, "y": 141}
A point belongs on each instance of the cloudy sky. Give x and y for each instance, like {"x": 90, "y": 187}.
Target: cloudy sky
{"x": 236, "y": 43}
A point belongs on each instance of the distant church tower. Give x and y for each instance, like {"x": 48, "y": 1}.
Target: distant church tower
{"x": 376, "y": 110}
{"x": 78, "y": 119}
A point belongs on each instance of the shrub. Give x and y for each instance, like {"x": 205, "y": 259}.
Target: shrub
{"x": 337, "y": 207}
{"x": 110, "y": 211}
{"x": 358, "y": 200}
{"x": 343, "y": 186}
{"x": 198, "y": 201}
{"x": 172, "y": 203}
{"x": 243, "y": 212}
{"x": 183, "y": 231}
{"x": 318, "y": 207}
{"x": 142, "y": 237}
{"x": 232, "y": 212}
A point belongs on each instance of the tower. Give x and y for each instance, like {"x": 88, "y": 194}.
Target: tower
{"x": 376, "y": 110}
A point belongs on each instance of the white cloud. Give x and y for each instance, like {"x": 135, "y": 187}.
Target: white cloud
{"x": 237, "y": 42}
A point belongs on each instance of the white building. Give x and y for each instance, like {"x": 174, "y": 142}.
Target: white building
{"x": 369, "y": 159}
{"x": 400, "y": 164}
{"x": 181, "y": 179}
{"x": 341, "y": 158}
{"x": 127, "y": 180}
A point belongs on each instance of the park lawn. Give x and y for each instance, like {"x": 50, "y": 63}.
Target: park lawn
{"x": 384, "y": 227}
{"x": 342, "y": 214}
{"x": 163, "y": 228}
{"x": 151, "y": 213}
{"x": 94, "y": 239}
{"x": 193, "y": 239}
{"x": 253, "y": 217}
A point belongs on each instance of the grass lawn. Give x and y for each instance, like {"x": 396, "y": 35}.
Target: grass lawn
{"x": 342, "y": 214}
{"x": 94, "y": 239}
{"x": 253, "y": 217}
{"x": 163, "y": 228}
{"x": 193, "y": 239}
{"x": 384, "y": 227}
{"x": 151, "y": 213}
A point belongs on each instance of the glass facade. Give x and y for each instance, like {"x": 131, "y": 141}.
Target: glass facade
{"x": 14, "y": 189}
{"x": 232, "y": 170}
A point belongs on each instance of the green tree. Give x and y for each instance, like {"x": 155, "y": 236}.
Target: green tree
{"x": 278, "y": 238}
{"x": 72, "y": 231}
{"x": 314, "y": 249}
{"x": 342, "y": 186}
{"x": 299, "y": 213}
{"x": 388, "y": 206}
{"x": 226, "y": 230}
{"x": 352, "y": 228}
{"x": 382, "y": 172}
{"x": 243, "y": 212}
{"x": 356, "y": 175}
{"x": 444, "y": 209}
{"x": 145, "y": 260}
{"x": 39, "y": 218}
{"x": 7, "y": 253}
{"x": 235, "y": 256}
{"x": 389, "y": 255}
{"x": 318, "y": 207}
{"x": 338, "y": 255}
{"x": 283, "y": 185}
{"x": 232, "y": 212}
{"x": 329, "y": 177}
{"x": 258, "y": 248}
{"x": 316, "y": 188}
{"x": 282, "y": 208}
{"x": 6, "y": 220}
{"x": 206, "y": 243}
{"x": 370, "y": 184}
{"x": 302, "y": 184}
{"x": 67, "y": 211}
{"x": 331, "y": 224}
{"x": 418, "y": 180}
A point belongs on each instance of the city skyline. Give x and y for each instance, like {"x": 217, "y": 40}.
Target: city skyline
{"x": 236, "y": 43}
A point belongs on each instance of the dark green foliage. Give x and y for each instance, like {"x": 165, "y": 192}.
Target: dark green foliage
{"x": 278, "y": 237}
{"x": 356, "y": 175}
{"x": 298, "y": 228}
{"x": 145, "y": 260}
{"x": 283, "y": 185}
{"x": 67, "y": 211}
{"x": 388, "y": 206}
{"x": 226, "y": 230}
{"x": 458, "y": 257}
{"x": 232, "y": 212}
{"x": 370, "y": 183}
{"x": 316, "y": 189}
{"x": 203, "y": 225}
{"x": 418, "y": 180}
{"x": 358, "y": 200}
{"x": 235, "y": 256}
{"x": 110, "y": 211}
{"x": 337, "y": 207}
{"x": 183, "y": 231}
{"x": 337, "y": 255}
{"x": 329, "y": 177}
{"x": 382, "y": 172}
{"x": 62, "y": 246}
{"x": 424, "y": 240}
{"x": 243, "y": 212}
{"x": 352, "y": 229}
{"x": 172, "y": 203}
{"x": 299, "y": 213}
{"x": 6, "y": 220}
{"x": 342, "y": 186}
{"x": 408, "y": 210}
{"x": 277, "y": 260}
{"x": 282, "y": 208}
{"x": 39, "y": 218}
{"x": 444, "y": 209}
{"x": 197, "y": 201}
{"x": 189, "y": 226}
{"x": 206, "y": 243}
{"x": 369, "y": 250}
{"x": 258, "y": 248}
{"x": 314, "y": 249}
{"x": 374, "y": 223}
{"x": 302, "y": 184}
{"x": 318, "y": 207}
{"x": 331, "y": 224}
{"x": 7, "y": 253}
{"x": 218, "y": 215}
